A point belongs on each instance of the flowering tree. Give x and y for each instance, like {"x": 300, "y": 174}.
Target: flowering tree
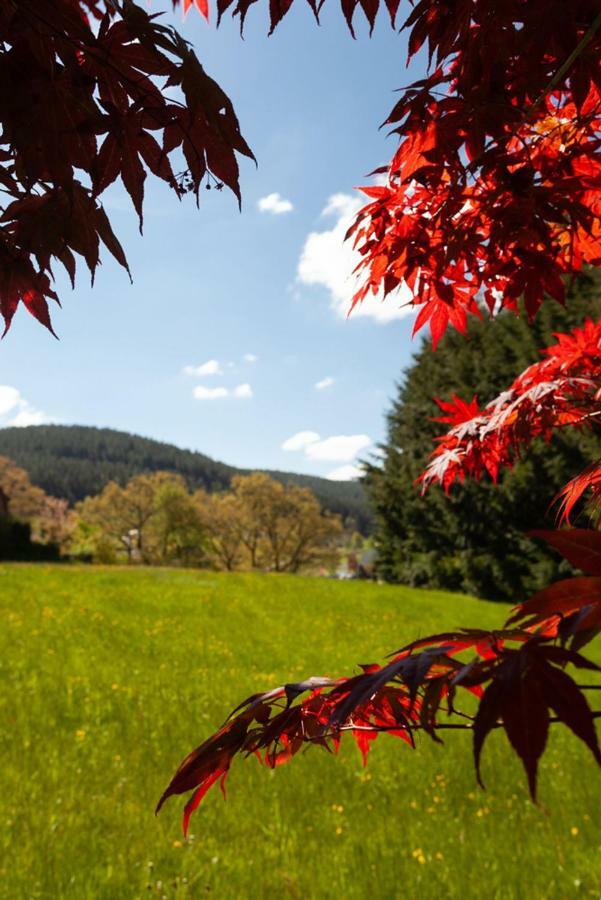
{"x": 492, "y": 194}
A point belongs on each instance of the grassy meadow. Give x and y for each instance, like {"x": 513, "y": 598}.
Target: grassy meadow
{"x": 108, "y": 676}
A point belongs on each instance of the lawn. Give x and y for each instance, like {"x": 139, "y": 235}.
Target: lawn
{"x": 108, "y": 676}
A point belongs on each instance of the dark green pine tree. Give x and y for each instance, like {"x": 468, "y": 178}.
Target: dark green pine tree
{"x": 474, "y": 540}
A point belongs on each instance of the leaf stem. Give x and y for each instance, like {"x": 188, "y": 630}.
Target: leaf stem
{"x": 585, "y": 40}
{"x": 446, "y": 726}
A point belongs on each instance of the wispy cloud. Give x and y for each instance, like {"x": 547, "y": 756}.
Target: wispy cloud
{"x": 16, "y": 411}
{"x": 202, "y": 392}
{"x": 240, "y": 392}
{"x": 210, "y": 367}
{"x": 300, "y": 440}
{"x": 324, "y": 383}
{"x": 338, "y": 448}
{"x": 327, "y": 260}
{"x": 250, "y": 358}
{"x": 275, "y": 204}
{"x": 345, "y": 473}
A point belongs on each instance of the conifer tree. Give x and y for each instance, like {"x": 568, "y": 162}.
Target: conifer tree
{"x": 474, "y": 540}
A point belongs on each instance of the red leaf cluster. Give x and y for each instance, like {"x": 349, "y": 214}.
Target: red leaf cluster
{"x": 518, "y": 676}
{"x": 569, "y": 609}
{"x": 562, "y": 389}
{"x": 494, "y": 190}
{"x": 517, "y": 673}
{"x": 81, "y": 106}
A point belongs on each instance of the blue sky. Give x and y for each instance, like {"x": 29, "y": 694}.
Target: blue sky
{"x": 259, "y": 296}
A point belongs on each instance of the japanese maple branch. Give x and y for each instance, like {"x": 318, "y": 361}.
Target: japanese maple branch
{"x": 105, "y": 61}
{"x": 447, "y": 726}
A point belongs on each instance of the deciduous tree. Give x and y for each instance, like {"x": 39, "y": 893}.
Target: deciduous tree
{"x": 282, "y": 526}
{"x": 176, "y": 533}
{"x": 25, "y": 500}
{"x": 128, "y": 515}
{"x": 223, "y": 520}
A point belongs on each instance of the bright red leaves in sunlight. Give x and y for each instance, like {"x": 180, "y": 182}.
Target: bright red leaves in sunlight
{"x": 494, "y": 190}
{"x": 562, "y": 389}
{"x": 201, "y": 5}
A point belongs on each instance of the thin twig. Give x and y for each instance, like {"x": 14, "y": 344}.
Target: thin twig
{"x": 586, "y": 39}
{"x": 446, "y": 726}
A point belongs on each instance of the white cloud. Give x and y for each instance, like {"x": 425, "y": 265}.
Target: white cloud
{"x": 240, "y": 392}
{"x": 328, "y": 260}
{"x": 211, "y": 367}
{"x": 250, "y": 358}
{"x": 340, "y": 448}
{"x": 16, "y": 411}
{"x": 275, "y": 204}
{"x": 324, "y": 383}
{"x": 300, "y": 440}
{"x": 9, "y": 398}
{"x": 201, "y": 392}
{"x": 345, "y": 473}
{"x": 28, "y": 416}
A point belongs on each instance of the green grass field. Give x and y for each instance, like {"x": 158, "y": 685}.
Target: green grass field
{"x": 109, "y": 676}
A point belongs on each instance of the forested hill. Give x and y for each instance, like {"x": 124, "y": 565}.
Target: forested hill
{"x": 75, "y": 461}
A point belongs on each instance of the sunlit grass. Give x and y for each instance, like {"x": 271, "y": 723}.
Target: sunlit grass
{"x": 109, "y": 676}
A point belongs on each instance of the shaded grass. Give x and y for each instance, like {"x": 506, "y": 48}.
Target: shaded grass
{"x": 109, "y": 676}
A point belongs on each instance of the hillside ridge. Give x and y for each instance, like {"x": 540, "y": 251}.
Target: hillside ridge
{"x": 75, "y": 461}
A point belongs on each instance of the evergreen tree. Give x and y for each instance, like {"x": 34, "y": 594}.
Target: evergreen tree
{"x": 474, "y": 540}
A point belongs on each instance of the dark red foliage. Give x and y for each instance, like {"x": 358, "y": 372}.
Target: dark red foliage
{"x": 580, "y": 546}
{"x": 518, "y": 675}
{"x": 524, "y": 686}
{"x": 81, "y": 106}
{"x": 568, "y": 609}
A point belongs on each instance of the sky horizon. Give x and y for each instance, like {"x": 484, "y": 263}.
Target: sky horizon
{"x": 233, "y": 339}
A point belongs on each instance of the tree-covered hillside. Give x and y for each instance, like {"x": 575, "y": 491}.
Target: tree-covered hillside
{"x": 76, "y": 461}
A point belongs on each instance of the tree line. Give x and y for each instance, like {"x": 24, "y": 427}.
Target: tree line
{"x": 76, "y": 461}
{"x": 154, "y": 519}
